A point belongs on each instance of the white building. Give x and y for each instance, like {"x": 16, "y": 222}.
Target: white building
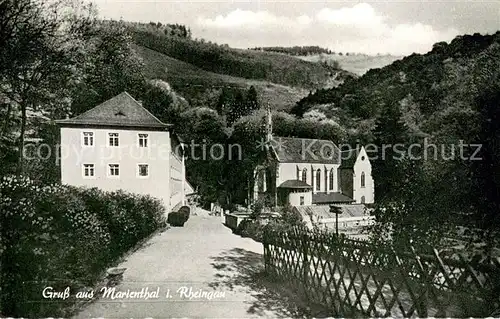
{"x": 303, "y": 172}
{"x": 120, "y": 145}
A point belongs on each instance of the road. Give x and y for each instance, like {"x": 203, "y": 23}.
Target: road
{"x": 200, "y": 270}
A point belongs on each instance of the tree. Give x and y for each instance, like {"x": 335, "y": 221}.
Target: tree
{"x": 38, "y": 52}
{"x": 387, "y": 167}
{"x": 251, "y": 100}
{"x": 111, "y": 66}
{"x": 158, "y": 100}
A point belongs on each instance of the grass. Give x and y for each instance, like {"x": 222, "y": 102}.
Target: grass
{"x": 195, "y": 83}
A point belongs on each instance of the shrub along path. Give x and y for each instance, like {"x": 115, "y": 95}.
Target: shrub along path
{"x": 223, "y": 271}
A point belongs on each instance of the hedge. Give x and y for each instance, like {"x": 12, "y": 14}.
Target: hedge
{"x": 64, "y": 236}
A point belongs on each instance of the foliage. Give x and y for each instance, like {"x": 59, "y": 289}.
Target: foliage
{"x": 295, "y": 50}
{"x": 65, "y": 235}
{"x": 39, "y": 50}
{"x": 110, "y": 67}
{"x": 445, "y": 98}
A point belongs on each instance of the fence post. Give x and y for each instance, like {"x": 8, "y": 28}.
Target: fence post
{"x": 265, "y": 243}
{"x": 305, "y": 252}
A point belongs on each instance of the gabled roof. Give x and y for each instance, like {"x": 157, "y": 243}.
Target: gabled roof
{"x": 305, "y": 150}
{"x": 331, "y": 198}
{"x": 296, "y": 184}
{"x": 349, "y": 157}
{"x": 121, "y": 110}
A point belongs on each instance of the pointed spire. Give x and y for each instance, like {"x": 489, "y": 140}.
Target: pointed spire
{"x": 269, "y": 126}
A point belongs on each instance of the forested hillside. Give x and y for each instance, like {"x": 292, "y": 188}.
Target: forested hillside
{"x": 295, "y": 50}
{"x": 449, "y": 98}
{"x": 202, "y": 88}
{"x": 248, "y": 64}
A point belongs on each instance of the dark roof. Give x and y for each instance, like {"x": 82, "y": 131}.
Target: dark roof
{"x": 324, "y": 198}
{"x": 293, "y": 183}
{"x": 121, "y": 110}
{"x": 305, "y": 150}
{"x": 349, "y": 157}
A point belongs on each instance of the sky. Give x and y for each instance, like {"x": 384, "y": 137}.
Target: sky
{"x": 395, "y": 27}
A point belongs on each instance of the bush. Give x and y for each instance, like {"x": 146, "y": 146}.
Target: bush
{"x": 176, "y": 219}
{"x": 185, "y": 211}
{"x": 66, "y": 236}
{"x": 251, "y": 228}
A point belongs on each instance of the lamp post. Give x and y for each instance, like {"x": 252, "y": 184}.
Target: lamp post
{"x": 337, "y": 211}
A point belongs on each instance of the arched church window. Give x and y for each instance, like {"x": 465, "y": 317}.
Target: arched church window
{"x": 362, "y": 179}
{"x": 331, "y": 179}
{"x": 318, "y": 179}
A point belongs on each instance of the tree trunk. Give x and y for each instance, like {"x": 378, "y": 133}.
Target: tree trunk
{"x": 6, "y": 121}
{"x": 20, "y": 159}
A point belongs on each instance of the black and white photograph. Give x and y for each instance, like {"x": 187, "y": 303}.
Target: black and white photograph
{"x": 249, "y": 159}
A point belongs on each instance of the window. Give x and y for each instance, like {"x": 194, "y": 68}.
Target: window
{"x": 363, "y": 199}
{"x": 114, "y": 170}
{"x": 143, "y": 170}
{"x": 143, "y": 140}
{"x": 362, "y": 179}
{"x": 318, "y": 180}
{"x": 301, "y": 200}
{"x": 88, "y": 170}
{"x": 304, "y": 175}
{"x": 88, "y": 138}
{"x": 331, "y": 179}
{"x": 113, "y": 139}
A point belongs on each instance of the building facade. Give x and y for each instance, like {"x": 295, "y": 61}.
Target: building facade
{"x": 119, "y": 145}
{"x": 303, "y": 172}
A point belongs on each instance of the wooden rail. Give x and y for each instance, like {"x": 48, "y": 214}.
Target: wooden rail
{"x": 356, "y": 278}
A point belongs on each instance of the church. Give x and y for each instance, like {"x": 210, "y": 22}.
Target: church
{"x": 304, "y": 172}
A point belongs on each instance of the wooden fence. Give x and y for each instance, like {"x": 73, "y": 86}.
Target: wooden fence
{"x": 356, "y": 279}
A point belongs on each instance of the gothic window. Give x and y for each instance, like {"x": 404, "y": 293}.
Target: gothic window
{"x": 318, "y": 179}
{"x": 331, "y": 179}
{"x": 362, "y": 179}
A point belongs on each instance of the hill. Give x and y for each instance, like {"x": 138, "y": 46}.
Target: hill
{"x": 356, "y": 63}
{"x": 199, "y": 86}
{"x": 427, "y": 86}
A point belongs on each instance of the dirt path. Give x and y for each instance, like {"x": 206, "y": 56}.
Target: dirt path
{"x": 225, "y": 271}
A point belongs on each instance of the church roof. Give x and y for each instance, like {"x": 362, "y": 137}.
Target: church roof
{"x": 349, "y": 157}
{"x": 293, "y": 183}
{"x": 122, "y": 110}
{"x": 305, "y": 150}
{"x": 324, "y": 198}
